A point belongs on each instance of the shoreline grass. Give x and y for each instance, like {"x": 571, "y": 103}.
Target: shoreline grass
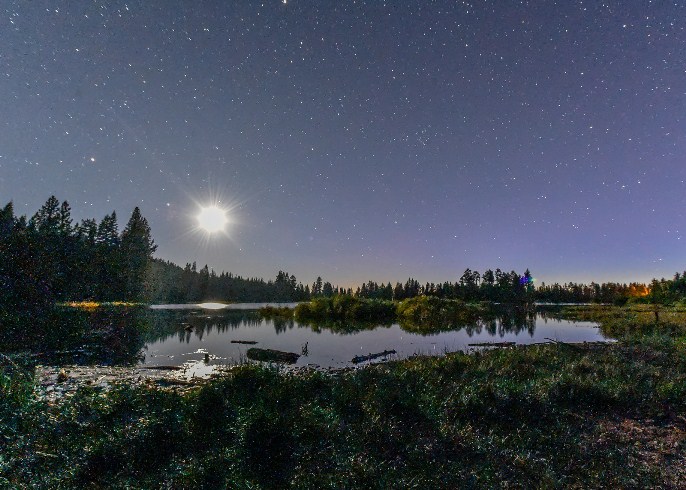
{"x": 540, "y": 416}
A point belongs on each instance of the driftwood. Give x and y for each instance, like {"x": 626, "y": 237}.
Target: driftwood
{"x": 554, "y": 341}
{"x": 492, "y": 344}
{"x": 369, "y": 357}
{"x": 580, "y": 345}
{"x": 271, "y": 355}
{"x": 249, "y": 342}
{"x": 164, "y": 368}
{"x": 573, "y": 345}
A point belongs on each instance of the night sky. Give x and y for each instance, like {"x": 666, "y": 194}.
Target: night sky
{"x": 360, "y": 140}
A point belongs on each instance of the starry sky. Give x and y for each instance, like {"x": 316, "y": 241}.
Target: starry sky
{"x": 360, "y": 140}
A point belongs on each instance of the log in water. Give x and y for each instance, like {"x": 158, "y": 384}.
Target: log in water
{"x": 271, "y": 355}
{"x": 369, "y": 357}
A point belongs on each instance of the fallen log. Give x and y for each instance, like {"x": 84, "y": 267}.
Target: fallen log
{"x": 492, "y": 344}
{"x": 369, "y": 357}
{"x": 271, "y": 355}
{"x": 249, "y": 342}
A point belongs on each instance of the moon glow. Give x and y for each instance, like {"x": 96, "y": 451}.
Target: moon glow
{"x": 212, "y": 219}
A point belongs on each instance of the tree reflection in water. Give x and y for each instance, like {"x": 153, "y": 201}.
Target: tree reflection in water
{"x": 183, "y": 324}
{"x": 116, "y": 335}
{"x": 106, "y": 335}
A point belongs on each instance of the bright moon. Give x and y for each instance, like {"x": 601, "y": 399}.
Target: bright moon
{"x": 212, "y": 219}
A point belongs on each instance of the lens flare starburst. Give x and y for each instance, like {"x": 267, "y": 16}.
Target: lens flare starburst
{"x": 212, "y": 219}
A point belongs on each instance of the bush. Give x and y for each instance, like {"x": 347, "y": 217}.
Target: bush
{"x": 344, "y": 307}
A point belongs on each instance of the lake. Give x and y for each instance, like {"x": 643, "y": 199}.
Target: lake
{"x": 200, "y": 338}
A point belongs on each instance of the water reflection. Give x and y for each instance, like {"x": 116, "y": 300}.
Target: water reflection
{"x": 494, "y": 322}
{"x": 64, "y": 335}
{"x": 185, "y": 324}
{"x": 134, "y": 335}
{"x": 179, "y": 336}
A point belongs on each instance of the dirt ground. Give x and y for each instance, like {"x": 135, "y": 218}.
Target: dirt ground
{"x": 658, "y": 446}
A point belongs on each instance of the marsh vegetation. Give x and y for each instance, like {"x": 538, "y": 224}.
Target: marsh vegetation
{"x": 544, "y": 415}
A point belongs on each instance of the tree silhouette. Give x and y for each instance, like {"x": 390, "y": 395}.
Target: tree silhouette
{"x": 137, "y": 247}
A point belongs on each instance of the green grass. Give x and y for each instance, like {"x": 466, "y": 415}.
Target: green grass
{"x": 274, "y": 312}
{"x": 422, "y": 314}
{"x": 526, "y": 417}
{"x": 635, "y": 321}
{"x": 345, "y": 308}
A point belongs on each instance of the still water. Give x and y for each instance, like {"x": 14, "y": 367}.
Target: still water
{"x": 188, "y": 335}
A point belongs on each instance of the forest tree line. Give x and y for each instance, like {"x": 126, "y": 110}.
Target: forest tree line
{"x": 48, "y": 258}
{"x": 173, "y": 284}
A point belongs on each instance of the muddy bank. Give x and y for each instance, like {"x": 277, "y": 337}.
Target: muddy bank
{"x": 54, "y": 382}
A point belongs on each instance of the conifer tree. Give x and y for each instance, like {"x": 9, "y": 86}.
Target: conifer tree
{"x": 64, "y": 221}
{"x": 46, "y": 220}
{"x": 87, "y": 231}
{"x": 108, "y": 231}
{"x": 6, "y": 221}
{"x": 137, "y": 247}
{"x": 317, "y": 287}
{"x": 107, "y": 264}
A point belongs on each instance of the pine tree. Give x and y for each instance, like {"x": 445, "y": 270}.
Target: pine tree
{"x": 46, "y": 220}
{"x": 67, "y": 273}
{"x": 317, "y": 287}
{"x": 44, "y": 246}
{"x": 137, "y": 247}
{"x": 108, "y": 231}
{"x": 108, "y": 276}
{"x": 7, "y": 267}
{"x": 6, "y": 221}
{"x": 87, "y": 231}
{"x": 64, "y": 220}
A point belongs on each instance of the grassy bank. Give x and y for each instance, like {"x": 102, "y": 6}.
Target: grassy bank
{"x": 421, "y": 314}
{"x": 542, "y": 416}
{"x": 630, "y": 322}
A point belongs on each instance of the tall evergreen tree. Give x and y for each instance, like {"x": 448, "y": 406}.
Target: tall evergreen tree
{"x": 46, "y": 220}
{"x": 7, "y": 266}
{"x": 137, "y": 247}
{"x": 203, "y": 283}
{"x": 64, "y": 221}
{"x": 317, "y": 287}
{"x": 6, "y": 221}
{"x": 108, "y": 231}
{"x": 87, "y": 231}
{"x": 43, "y": 244}
{"x": 67, "y": 274}
{"x": 108, "y": 269}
